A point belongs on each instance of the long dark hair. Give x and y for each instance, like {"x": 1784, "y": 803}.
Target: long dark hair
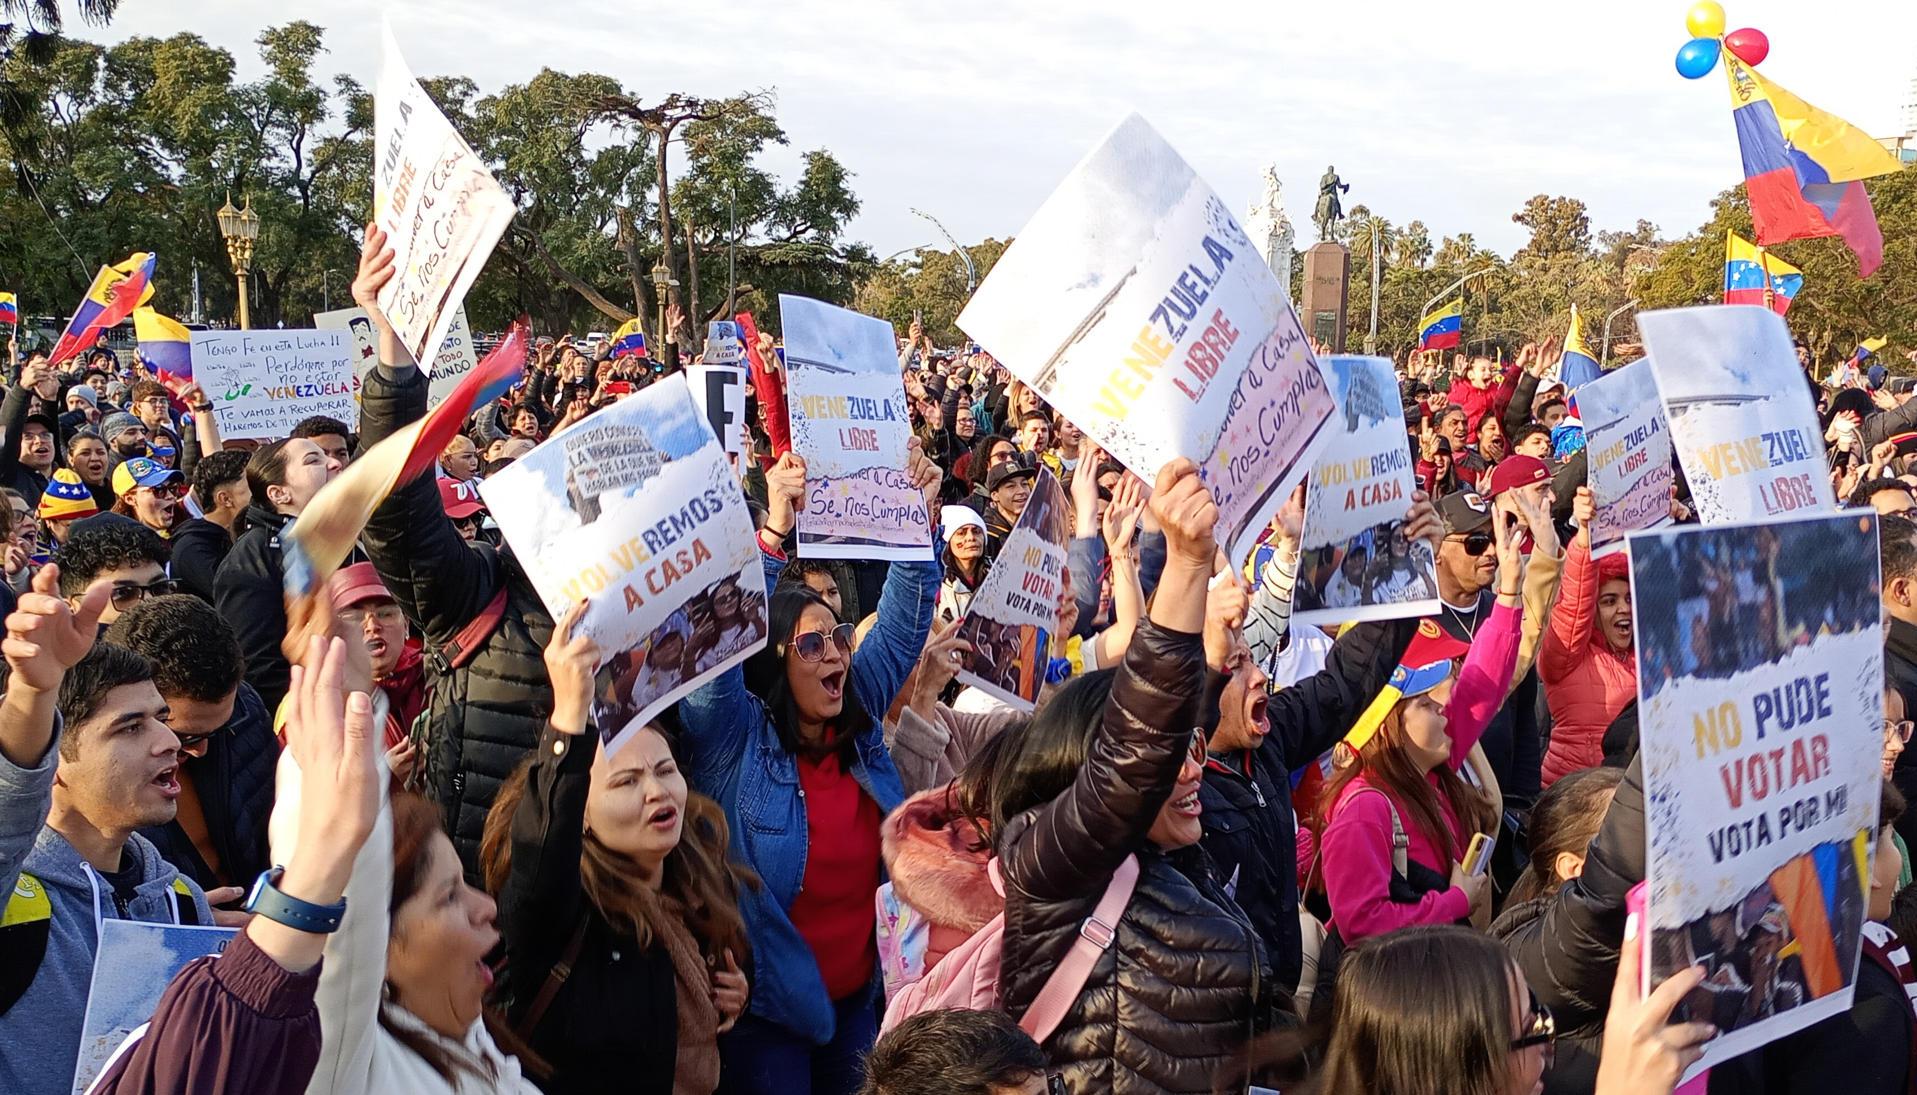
{"x": 698, "y": 875}
{"x": 1565, "y": 819}
{"x": 765, "y": 677}
{"x": 1044, "y": 759}
{"x": 1391, "y": 769}
{"x": 980, "y": 464}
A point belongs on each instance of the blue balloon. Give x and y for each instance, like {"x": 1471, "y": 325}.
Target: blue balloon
{"x": 1697, "y": 57}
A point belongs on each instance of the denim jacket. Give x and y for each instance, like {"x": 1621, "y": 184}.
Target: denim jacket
{"x": 735, "y": 757}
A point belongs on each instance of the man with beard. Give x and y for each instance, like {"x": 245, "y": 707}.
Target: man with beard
{"x": 125, "y": 436}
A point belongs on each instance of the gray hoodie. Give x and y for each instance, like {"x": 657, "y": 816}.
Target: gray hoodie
{"x": 40, "y": 1034}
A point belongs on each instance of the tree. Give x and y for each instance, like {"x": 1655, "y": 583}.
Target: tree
{"x": 1559, "y": 226}
{"x": 1413, "y": 246}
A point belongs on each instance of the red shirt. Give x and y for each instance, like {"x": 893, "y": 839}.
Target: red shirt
{"x": 833, "y": 911}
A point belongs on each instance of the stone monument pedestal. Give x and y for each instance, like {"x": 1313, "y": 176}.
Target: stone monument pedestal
{"x": 1326, "y": 291}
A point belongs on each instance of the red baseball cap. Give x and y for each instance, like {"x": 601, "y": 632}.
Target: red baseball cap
{"x": 461, "y": 499}
{"x": 357, "y": 584}
{"x": 1517, "y": 470}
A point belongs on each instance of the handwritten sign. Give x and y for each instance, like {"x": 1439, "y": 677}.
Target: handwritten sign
{"x": 356, "y": 323}
{"x": 1010, "y": 621}
{"x": 719, "y": 390}
{"x": 1740, "y": 412}
{"x": 262, "y": 383}
{"x": 1629, "y": 452}
{"x": 636, "y": 511}
{"x": 441, "y": 209}
{"x": 1136, "y": 305}
{"x": 453, "y": 361}
{"x": 848, "y": 413}
{"x": 1357, "y": 562}
{"x": 1760, "y": 698}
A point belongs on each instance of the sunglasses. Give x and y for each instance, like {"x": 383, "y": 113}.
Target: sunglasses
{"x": 810, "y": 645}
{"x": 1197, "y": 753}
{"x": 1898, "y": 730}
{"x": 168, "y": 490}
{"x": 188, "y": 741}
{"x": 1539, "y": 1028}
{"x": 126, "y": 596}
{"x": 1474, "y": 543}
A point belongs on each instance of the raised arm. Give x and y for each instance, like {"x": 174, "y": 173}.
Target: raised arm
{"x": 1575, "y": 613}
{"x": 1485, "y": 679}
{"x": 1128, "y": 595}
{"x": 887, "y": 655}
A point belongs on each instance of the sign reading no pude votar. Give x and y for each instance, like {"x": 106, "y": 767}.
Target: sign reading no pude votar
{"x": 846, "y": 402}
{"x": 1136, "y": 305}
{"x": 262, "y": 383}
{"x": 1015, "y": 611}
{"x": 1760, "y": 726}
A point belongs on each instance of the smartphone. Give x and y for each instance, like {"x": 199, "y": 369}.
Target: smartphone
{"x": 1477, "y": 857}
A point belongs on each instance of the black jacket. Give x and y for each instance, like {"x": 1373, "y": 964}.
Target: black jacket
{"x": 199, "y": 547}
{"x": 234, "y": 782}
{"x": 29, "y": 484}
{"x": 1900, "y": 672}
{"x": 1185, "y": 983}
{"x": 248, "y": 591}
{"x": 613, "y": 1024}
{"x": 1250, "y": 832}
{"x": 486, "y": 714}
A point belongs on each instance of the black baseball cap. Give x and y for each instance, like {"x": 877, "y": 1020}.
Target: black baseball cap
{"x": 1464, "y": 511}
{"x": 1008, "y": 469}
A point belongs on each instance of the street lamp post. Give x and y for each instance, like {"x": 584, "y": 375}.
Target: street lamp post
{"x": 662, "y": 282}
{"x": 1604, "y": 355}
{"x": 239, "y": 228}
{"x": 971, "y": 272}
{"x": 326, "y": 290}
{"x": 1377, "y": 248}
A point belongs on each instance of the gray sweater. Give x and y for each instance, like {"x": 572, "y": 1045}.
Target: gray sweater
{"x": 40, "y": 1034}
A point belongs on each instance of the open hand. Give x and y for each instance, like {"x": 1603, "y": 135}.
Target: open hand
{"x": 45, "y": 637}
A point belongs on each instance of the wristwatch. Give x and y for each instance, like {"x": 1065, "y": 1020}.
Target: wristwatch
{"x": 267, "y": 900}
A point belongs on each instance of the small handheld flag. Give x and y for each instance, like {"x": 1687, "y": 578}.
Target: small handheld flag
{"x": 629, "y": 340}
{"x": 115, "y": 292}
{"x": 1442, "y": 327}
{"x": 9, "y": 309}
{"x": 1752, "y": 275}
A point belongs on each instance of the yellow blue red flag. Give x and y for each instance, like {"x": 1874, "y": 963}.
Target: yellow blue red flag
{"x": 165, "y": 346}
{"x": 1752, "y": 275}
{"x": 1442, "y": 327}
{"x": 115, "y": 292}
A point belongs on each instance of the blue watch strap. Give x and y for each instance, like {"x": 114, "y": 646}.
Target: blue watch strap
{"x": 267, "y": 900}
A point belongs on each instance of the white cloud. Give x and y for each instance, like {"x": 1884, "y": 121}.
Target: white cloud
{"x": 1453, "y": 114}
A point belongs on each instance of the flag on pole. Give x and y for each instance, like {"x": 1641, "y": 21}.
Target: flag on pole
{"x": 629, "y": 340}
{"x": 115, "y": 292}
{"x": 1442, "y": 327}
{"x": 165, "y": 346}
{"x": 314, "y": 545}
{"x": 1803, "y": 168}
{"x": 1579, "y": 366}
{"x": 1752, "y": 275}
{"x": 9, "y": 309}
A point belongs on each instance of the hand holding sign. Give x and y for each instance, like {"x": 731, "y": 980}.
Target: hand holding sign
{"x": 1643, "y": 1050}
{"x": 376, "y": 268}
{"x": 1187, "y": 513}
{"x": 571, "y": 662}
{"x": 785, "y": 492}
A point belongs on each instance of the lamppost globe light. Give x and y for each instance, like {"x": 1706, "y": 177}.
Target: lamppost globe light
{"x": 239, "y": 228}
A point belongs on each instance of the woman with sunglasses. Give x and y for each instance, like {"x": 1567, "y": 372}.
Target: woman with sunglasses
{"x": 1106, "y": 777}
{"x": 790, "y": 745}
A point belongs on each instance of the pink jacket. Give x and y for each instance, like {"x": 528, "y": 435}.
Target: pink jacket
{"x": 1585, "y": 681}
{"x": 1357, "y": 842}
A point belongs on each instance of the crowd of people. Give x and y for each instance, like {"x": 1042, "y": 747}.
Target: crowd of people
{"x": 1224, "y": 853}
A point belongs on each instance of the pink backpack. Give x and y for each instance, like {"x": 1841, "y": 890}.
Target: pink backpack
{"x": 967, "y": 977}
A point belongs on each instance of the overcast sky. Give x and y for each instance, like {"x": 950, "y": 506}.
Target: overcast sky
{"x": 1449, "y": 113}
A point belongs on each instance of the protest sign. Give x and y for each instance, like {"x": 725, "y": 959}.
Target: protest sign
{"x": 849, "y": 421}
{"x": 132, "y": 967}
{"x": 440, "y": 208}
{"x": 263, "y": 382}
{"x": 454, "y": 360}
{"x": 1760, "y": 701}
{"x": 722, "y": 343}
{"x": 635, "y": 510}
{"x": 1357, "y": 562}
{"x": 1136, "y": 305}
{"x": 1629, "y": 455}
{"x": 1012, "y": 616}
{"x": 355, "y": 322}
{"x": 719, "y": 390}
{"x": 1739, "y": 411}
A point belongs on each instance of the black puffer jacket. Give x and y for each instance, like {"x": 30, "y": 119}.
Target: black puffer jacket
{"x": 249, "y": 591}
{"x": 1251, "y": 834}
{"x": 1184, "y": 984}
{"x": 486, "y": 714}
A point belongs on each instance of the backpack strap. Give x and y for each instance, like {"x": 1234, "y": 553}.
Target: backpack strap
{"x": 1094, "y": 939}
{"x": 461, "y": 647}
{"x": 1400, "y": 840}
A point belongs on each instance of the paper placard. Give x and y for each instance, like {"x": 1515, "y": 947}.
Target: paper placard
{"x": 636, "y": 510}
{"x": 1760, "y": 711}
{"x": 263, "y": 382}
{"x": 846, "y": 402}
{"x": 723, "y": 346}
{"x": 453, "y": 361}
{"x": 719, "y": 390}
{"x": 1010, "y": 621}
{"x": 1136, "y": 305}
{"x": 357, "y": 323}
{"x": 440, "y": 208}
{"x": 132, "y": 966}
{"x": 1739, "y": 410}
{"x": 1628, "y": 450}
{"x": 1356, "y": 562}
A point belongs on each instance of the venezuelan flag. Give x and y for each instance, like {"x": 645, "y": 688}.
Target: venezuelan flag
{"x": 166, "y": 346}
{"x": 1752, "y": 275}
{"x": 1579, "y": 366}
{"x": 315, "y": 544}
{"x": 9, "y": 309}
{"x": 629, "y": 340}
{"x": 115, "y": 292}
{"x": 1442, "y": 327}
{"x": 1803, "y": 168}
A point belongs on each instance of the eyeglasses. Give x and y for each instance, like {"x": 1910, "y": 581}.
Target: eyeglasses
{"x": 168, "y": 490}
{"x": 1474, "y": 543}
{"x": 188, "y": 741}
{"x": 386, "y": 614}
{"x": 1539, "y": 1028}
{"x": 128, "y": 595}
{"x": 810, "y": 645}
{"x": 1898, "y": 730}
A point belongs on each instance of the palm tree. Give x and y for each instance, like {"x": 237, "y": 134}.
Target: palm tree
{"x": 32, "y": 25}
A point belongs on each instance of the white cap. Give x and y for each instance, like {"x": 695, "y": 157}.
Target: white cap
{"x": 954, "y": 518}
